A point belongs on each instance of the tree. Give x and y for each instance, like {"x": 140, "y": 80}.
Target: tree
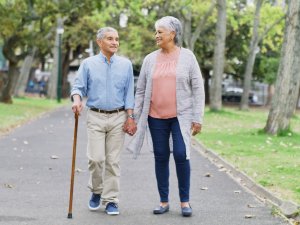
{"x": 268, "y": 66}
{"x": 219, "y": 54}
{"x": 253, "y": 50}
{"x": 288, "y": 77}
{"x": 17, "y": 19}
{"x": 251, "y": 57}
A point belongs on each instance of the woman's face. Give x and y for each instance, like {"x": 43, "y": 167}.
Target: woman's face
{"x": 163, "y": 37}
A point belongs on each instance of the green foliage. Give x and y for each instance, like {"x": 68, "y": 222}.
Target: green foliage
{"x": 239, "y": 30}
{"x": 268, "y": 67}
{"x": 35, "y": 25}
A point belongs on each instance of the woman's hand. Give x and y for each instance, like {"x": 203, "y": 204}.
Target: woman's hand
{"x": 196, "y": 128}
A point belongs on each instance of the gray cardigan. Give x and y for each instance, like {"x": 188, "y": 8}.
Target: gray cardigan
{"x": 189, "y": 98}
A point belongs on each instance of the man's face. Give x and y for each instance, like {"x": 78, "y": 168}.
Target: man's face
{"x": 109, "y": 43}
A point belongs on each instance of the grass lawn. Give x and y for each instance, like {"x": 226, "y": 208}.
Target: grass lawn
{"x": 272, "y": 161}
{"x": 24, "y": 109}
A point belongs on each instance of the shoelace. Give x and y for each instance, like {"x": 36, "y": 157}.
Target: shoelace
{"x": 113, "y": 204}
{"x": 95, "y": 197}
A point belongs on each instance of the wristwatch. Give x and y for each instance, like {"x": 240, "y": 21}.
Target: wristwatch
{"x": 131, "y": 116}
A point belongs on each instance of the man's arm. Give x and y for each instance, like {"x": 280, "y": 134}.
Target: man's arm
{"x": 79, "y": 88}
{"x": 77, "y": 103}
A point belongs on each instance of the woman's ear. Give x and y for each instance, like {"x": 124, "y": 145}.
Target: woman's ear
{"x": 173, "y": 34}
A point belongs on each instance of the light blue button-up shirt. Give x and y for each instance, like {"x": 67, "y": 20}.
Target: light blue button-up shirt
{"x": 108, "y": 86}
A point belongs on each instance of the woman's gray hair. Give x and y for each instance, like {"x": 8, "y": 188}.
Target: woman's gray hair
{"x": 172, "y": 24}
{"x": 101, "y": 32}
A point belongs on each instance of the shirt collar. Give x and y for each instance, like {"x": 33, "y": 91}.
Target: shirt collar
{"x": 104, "y": 59}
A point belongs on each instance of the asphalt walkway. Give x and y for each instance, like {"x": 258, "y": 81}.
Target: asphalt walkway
{"x": 35, "y": 167}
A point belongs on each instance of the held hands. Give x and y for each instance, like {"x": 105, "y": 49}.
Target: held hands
{"x": 130, "y": 126}
{"x": 196, "y": 128}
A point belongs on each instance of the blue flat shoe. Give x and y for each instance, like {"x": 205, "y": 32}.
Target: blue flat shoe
{"x": 161, "y": 210}
{"x": 186, "y": 211}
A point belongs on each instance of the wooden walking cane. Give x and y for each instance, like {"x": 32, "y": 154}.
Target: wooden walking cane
{"x": 73, "y": 166}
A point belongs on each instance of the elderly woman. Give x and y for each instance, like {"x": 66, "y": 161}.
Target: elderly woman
{"x": 170, "y": 100}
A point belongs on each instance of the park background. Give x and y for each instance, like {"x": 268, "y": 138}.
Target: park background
{"x": 248, "y": 51}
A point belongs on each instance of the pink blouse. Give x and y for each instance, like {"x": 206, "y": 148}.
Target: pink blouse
{"x": 163, "y": 99}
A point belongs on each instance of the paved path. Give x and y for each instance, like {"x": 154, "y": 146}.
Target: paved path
{"x": 34, "y": 188}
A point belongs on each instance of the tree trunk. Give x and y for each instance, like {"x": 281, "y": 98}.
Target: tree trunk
{"x": 65, "y": 72}
{"x": 288, "y": 77}
{"x": 21, "y": 85}
{"x": 52, "y": 83}
{"x": 298, "y": 101}
{"x": 219, "y": 55}
{"x": 12, "y": 78}
{"x": 206, "y": 76}
{"x": 251, "y": 58}
{"x": 270, "y": 94}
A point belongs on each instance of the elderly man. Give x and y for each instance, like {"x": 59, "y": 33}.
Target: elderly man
{"x": 107, "y": 81}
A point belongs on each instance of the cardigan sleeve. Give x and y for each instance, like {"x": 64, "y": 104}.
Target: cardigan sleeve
{"x": 140, "y": 91}
{"x": 197, "y": 91}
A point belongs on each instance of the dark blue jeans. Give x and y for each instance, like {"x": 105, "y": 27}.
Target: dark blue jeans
{"x": 160, "y": 130}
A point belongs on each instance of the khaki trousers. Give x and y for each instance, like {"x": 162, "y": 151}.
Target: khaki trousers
{"x": 105, "y": 141}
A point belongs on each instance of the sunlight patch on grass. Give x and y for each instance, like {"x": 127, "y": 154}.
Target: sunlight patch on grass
{"x": 272, "y": 161}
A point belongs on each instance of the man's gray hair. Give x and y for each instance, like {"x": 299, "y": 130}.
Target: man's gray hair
{"x": 172, "y": 24}
{"x": 101, "y": 32}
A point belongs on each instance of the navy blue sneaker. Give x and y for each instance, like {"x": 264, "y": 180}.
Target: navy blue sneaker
{"x": 94, "y": 203}
{"x": 112, "y": 209}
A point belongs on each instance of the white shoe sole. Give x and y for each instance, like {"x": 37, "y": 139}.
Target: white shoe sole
{"x": 112, "y": 213}
{"x": 94, "y": 209}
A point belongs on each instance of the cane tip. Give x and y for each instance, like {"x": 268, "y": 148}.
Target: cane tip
{"x": 69, "y": 215}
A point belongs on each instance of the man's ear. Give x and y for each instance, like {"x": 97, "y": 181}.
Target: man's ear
{"x": 99, "y": 42}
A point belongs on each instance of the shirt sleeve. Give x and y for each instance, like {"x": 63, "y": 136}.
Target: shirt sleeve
{"x": 80, "y": 83}
{"x": 129, "y": 90}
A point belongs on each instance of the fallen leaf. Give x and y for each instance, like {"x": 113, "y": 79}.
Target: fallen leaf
{"x": 54, "y": 157}
{"x": 220, "y": 166}
{"x": 8, "y": 186}
{"x": 222, "y": 170}
{"x": 219, "y": 142}
{"x": 78, "y": 170}
{"x": 249, "y": 216}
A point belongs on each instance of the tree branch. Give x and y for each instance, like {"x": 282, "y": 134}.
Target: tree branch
{"x": 201, "y": 23}
{"x": 266, "y": 31}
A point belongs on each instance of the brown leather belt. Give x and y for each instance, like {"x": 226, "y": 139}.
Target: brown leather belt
{"x": 108, "y": 112}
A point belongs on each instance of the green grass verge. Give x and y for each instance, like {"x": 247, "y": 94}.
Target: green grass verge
{"x": 24, "y": 109}
{"x": 272, "y": 161}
